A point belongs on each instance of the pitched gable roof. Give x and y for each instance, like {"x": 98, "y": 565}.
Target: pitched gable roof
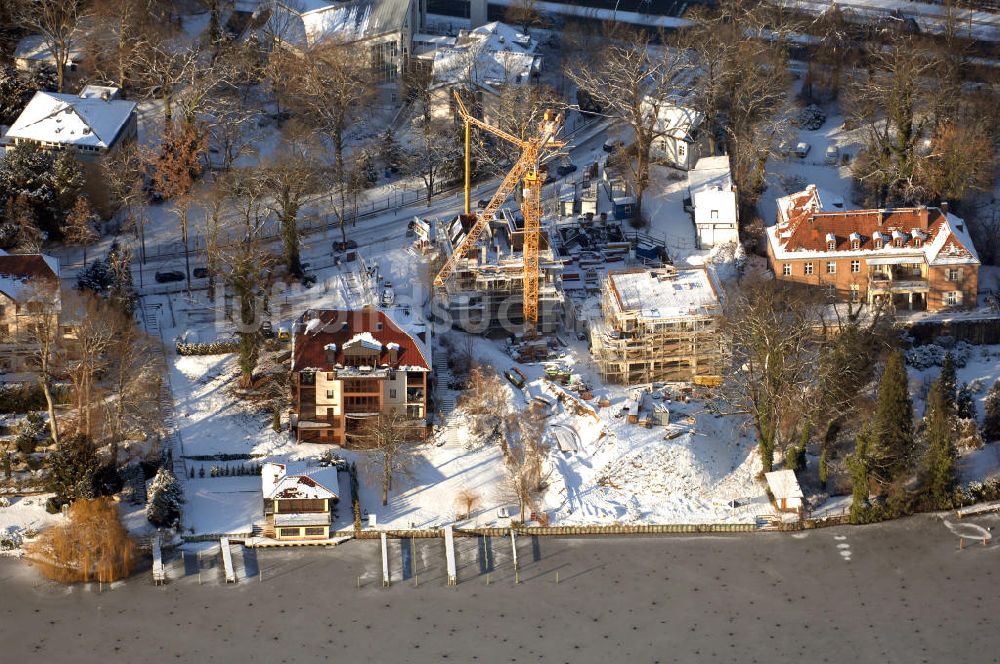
{"x": 70, "y": 120}
{"x": 19, "y": 272}
{"x": 321, "y": 337}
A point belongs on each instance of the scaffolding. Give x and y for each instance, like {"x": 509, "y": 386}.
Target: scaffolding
{"x": 485, "y": 291}
{"x": 658, "y": 325}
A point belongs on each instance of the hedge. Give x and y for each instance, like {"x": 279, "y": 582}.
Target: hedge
{"x": 221, "y": 347}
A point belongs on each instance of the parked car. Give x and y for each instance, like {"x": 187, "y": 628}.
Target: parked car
{"x": 267, "y": 329}
{"x": 388, "y": 296}
{"x": 345, "y": 246}
{"x": 200, "y": 273}
{"x": 565, "y": 168}
{"x": 832, "y": 155}
{"x": 283, "y": 333}
{"x": 168, "y": 276}
{"x": 802, "y": 149}
{"x": 483, "y": 202}
{"x": 613, "y": 144}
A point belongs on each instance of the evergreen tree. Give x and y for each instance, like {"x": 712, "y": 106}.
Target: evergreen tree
{"x": 67, "y": 179}
{"x": 964, "y": 405}
{"x": 991, "y": 413}
{"x": 892, "y": 447}
{"x": 824, "y": 469}
{"x": 165, "y": 498}
{"x": 858, "y": 464}
{"x": 941, "y": 459}
{"x": 74, "y": 469}
{"x": 14, "y": 94}
{"x": 948, "y": 377}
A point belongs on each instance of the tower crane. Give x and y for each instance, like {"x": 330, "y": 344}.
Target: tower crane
{"x": 526, "y": 169}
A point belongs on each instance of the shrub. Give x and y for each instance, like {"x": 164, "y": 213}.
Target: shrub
{"x": 91, "y": 545}
{"x": 26, "y": 445}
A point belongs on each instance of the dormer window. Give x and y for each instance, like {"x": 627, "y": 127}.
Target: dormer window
{"x": 878, "y": 242}
{"x": 855, "y": 244}
{"x": 831, "y": 242}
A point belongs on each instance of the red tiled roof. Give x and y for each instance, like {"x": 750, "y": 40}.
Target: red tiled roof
{"x": 340, "y": 326}
{"x": 808, "y": 230}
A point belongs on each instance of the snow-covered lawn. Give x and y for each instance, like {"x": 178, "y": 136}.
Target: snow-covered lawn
{"x": 23, "y": 514}
{"x": 222, "y": 504}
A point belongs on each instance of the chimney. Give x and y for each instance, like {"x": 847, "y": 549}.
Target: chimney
{"x": 330, "y": 353}
{"x": 881, "y": 217}
{"x": 924, "y": 215}
{"x": 944, "y": 207}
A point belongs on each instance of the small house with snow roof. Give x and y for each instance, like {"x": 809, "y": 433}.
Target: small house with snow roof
{"x": 298, "y": 500}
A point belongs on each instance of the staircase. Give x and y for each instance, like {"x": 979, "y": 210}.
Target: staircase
{"x": 442, "y": 377}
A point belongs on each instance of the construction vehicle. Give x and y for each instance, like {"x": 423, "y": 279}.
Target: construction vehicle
{"x": 527, "y": 170}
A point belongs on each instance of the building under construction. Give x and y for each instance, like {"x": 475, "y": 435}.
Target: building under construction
{"x": 486, "y": 289}
{"x": 659, "y": 325}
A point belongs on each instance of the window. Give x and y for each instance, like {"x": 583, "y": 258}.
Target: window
{"x": 330, "y": 413}
{"x": 855, "y": 244}
{"x": 899, "y": 242}
{"x": 715, "y": 214}
{"x": 289, "y": 532}
{"x": 329, "y": 394}
{"x": 4, "y": 331}
{"x": 831, "y": 245}
{"x": 392, "y": 394}
{"x": 786, "y": 270}
{"x": 917, "y": 242}
{"x": 330, "y": 376}
{"x": 953, "y": 274}
{"x": 855, "y": 266}
{"x": 855, "y": 293}
{"x": 313, "y": 531}
{"x": 3, "y": 311}
{"x": 807, "y": 269}
{"x": 953, "y": 298}
{"x": 680, "y": 150}
{"x": 878, "y": 243}
{"x": 831, "y": 267}
{"x": 307, "y": 378}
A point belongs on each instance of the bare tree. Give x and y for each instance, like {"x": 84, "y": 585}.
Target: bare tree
{"x": 632, "y": 81}
{"x": 176, "y": 167}
{"x": 243, "y": 262}
{"x": 133, "y": 374}
{"x": 116, "y": 35}
{"x": 328, "y": 86}
{"x": 524, "y": 455}
{"x": 391, "y": 435}
{"x": 93, "y": 341}
{"x": 288, "y": 176}
{"x": 769, "y": 327}
{"x": 42, "y": 334}
{"x": 124, "y": 172}
{"x": 436, "y": 148}
{"x": 57, "y": 22}
{"x": 894, "y": 104}
{"x": 466, "y": 500}
{"x": 81, "y": 225}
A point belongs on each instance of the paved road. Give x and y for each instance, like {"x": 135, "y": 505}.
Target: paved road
{"x": 901, "y": 592}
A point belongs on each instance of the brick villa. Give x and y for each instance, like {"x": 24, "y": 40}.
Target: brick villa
{"x": 918, "y": 258}
{"x": 348, "y": 366}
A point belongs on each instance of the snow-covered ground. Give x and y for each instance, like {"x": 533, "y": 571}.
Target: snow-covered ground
{"x": 22, "y": 516}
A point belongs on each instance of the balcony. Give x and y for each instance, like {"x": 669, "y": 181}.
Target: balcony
{"x": 897, "y": 282}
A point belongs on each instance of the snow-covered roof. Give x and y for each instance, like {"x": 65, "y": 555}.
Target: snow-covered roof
{"x": 677, "y": 121}
{"x": 70, "y": 120}
{"x": 665, "y": 293}
{"x": 33, "y": 47}
{"x": 365, "y": 340}
{"x": 490, "y": 55}
{"x": 710, "y": 173}
{"x": 304, "y": 23}
{"x": 21, "y": 273}
{"x": 783, "y": 484}
{"x": 288, "y": 481}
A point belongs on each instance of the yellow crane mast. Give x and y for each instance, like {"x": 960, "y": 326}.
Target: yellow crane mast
{"x": 526, "y": 169}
